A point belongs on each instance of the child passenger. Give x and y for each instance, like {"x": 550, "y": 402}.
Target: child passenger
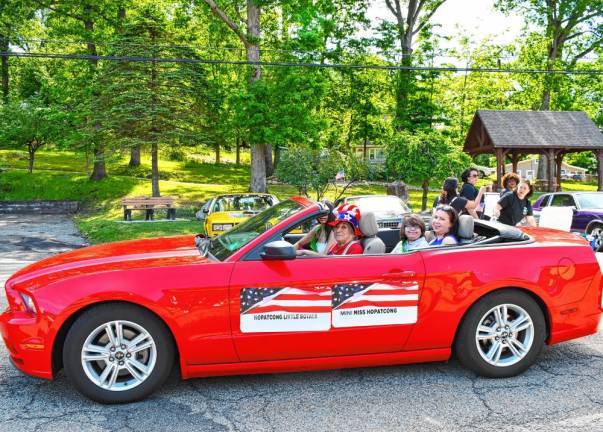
{"x": 412, "y": 235}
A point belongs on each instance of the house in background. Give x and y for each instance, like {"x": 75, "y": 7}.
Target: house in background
{"x": 529, "y": 168}
{"x": 375, "y": 154}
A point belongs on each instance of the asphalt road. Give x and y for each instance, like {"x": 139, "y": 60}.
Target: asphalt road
{"x": 563, "y": 391}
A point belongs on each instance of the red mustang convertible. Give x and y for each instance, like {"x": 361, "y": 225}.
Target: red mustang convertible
{"x": 118, "y": 316}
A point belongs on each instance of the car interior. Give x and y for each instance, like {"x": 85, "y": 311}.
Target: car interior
{"x": 470, "y": 232}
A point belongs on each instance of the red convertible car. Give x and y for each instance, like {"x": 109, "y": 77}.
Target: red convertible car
{"x": 117, "y": 317}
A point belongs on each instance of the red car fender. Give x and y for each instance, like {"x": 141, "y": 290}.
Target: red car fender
{"x": 57, "y": 319}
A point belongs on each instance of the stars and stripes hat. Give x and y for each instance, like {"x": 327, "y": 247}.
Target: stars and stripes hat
{"x": 349, "y": 213}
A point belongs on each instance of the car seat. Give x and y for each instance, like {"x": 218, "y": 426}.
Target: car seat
{"x": 371, "y": 243}
{"x": 465, "y": 229}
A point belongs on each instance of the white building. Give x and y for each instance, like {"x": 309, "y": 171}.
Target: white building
{"x": 528, "y": 169}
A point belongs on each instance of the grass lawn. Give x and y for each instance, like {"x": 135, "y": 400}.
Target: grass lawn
{"x": 64, "y": 176}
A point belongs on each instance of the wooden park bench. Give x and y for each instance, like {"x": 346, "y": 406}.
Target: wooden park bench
{"x": 149, "y": 205}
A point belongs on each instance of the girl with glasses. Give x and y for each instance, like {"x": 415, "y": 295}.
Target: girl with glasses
{"x": 412, "y": 235}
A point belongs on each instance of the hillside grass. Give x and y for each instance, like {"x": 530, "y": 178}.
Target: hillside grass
{"x": 64, "y": 176}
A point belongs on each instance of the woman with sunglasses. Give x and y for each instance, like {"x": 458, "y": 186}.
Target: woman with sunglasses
{"x": 443, "y": 225}
{"x": 412, "y": 235}
{"x": 469, "y": 178}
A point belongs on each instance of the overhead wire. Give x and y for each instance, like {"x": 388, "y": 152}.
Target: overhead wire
{"x": 390, "y": 67}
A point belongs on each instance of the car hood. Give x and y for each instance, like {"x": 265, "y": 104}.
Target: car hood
{"x": 159, "y": 252}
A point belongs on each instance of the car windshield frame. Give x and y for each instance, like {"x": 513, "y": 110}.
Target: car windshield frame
{"x": 229, "y": 202}
{"x": 582, "y": 196}
{"x": 227, "y": 244}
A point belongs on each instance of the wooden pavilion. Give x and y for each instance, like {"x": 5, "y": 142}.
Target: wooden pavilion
{"x": 551, "y": 133}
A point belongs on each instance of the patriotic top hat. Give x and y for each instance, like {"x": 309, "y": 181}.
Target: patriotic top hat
{"x": 349, "y": 213}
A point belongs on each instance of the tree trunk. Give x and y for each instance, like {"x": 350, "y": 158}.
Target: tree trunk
{"x": 154, "y": 151}
{"x": 238, "y": 156}
{"x": 425, "y": 187}
{"x": 32, "y": 153}
{"x": 554, "y": 52}
{"x": 4, "y": 42}
{"x": 405, "y": 28}
{"x": 269, "y": 160}
{"x": 99, "y": 171}
{"x": 257, "y": 179}
{"x": 277, "y": 156}
{"x": 155, "y": 170}
{"x": 134, "y": 156}
{"x": 258, "y": 165}
{"x": 217, "y": 150}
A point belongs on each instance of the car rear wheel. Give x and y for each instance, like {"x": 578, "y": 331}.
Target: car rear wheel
{"x": 116, "y": 353}
{"x": 596, "y": 231}
{"x": 501, "y": 335}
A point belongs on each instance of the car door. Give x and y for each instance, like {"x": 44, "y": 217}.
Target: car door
{"x": 324, "y": 306}
{"x": 566, "y": 200}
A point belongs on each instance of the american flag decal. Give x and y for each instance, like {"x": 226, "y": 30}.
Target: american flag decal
{"x": 356, "y": 305}
{"x": 285, "y": 309}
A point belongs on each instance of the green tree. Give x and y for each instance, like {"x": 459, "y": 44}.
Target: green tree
{"x": 315, "y": 170}
{"x": 572, "y": 30}
{"x": 149, "y": 103}
{"x": 424, "y": 157}
{"x": 411, "y": 18}
{"x": 31, "y": 123}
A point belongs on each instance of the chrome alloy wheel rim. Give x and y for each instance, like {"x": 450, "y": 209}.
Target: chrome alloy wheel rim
{"x": 597, "y": 233}
{"x": 119, "y": 355}
{"x": 504, "y": 335}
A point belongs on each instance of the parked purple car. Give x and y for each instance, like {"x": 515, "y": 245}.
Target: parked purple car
{"x": 588, "y": 210}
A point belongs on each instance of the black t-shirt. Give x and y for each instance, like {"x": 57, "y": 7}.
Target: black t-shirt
{"x": 469, "y": 191}
{"x": 513, "y": 209}
{"x": 458, "y": 203}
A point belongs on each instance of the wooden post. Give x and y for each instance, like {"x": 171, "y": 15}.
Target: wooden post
{"x": 514, "y": 161}
{"x": 500, "y": 167}
{"x": 599, "y": 154}
{"x": 558, "y": 162}
{"x": 550, "y": 160}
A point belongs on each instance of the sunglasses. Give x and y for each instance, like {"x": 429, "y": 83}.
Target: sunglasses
{"x": 444, "y": 207}
{"x": 473, "y": 175}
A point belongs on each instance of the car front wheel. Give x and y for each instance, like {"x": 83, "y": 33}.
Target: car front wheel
{"x": 116, "y": 353}
{"x": 501, "y": 335}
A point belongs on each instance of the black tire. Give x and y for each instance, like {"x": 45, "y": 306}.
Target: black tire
{"x": 159, "y": 360}
{"x": 469, "y": 351}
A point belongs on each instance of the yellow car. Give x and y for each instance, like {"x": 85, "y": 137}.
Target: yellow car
{"x": 223, "y": 212}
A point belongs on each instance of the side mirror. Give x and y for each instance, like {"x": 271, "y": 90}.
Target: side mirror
{"x": 278, "y": 250}
{"x": 205, "y": 210}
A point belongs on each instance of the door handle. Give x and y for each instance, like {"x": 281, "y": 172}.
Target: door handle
{"x": 399, "y": 275}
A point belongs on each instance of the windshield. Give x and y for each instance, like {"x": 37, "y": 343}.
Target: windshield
{"x": 252, "y": 203}
{"x": 231, "y": 241}
{"x": 380, "y": 204}
{"x": 590, "y": 200}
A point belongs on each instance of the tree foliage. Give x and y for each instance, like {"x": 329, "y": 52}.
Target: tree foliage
{"x": 424, "y": 157}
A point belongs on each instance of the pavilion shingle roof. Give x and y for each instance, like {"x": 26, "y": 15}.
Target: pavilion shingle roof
{"x": 571, "y": 130}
